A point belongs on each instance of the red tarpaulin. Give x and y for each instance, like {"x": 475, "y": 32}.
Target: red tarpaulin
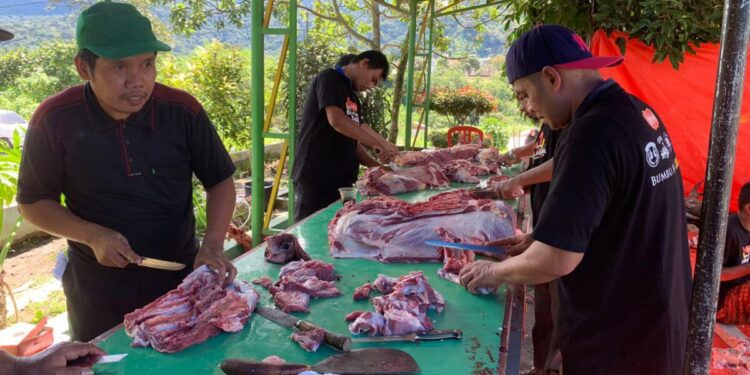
{"x": 683, "y": 99}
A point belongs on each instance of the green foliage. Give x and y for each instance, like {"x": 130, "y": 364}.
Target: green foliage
{"x": 218, "y": 75}
{"x": 10, "y": 162}
{"x": 375, "y": 104}
{"x": 464, "y": 105}
{"x": 495, "y": 129}
{"x": 199, "y": 209}
{"x": 28, "y": 76}
{"x": 53, "y": 305}
{"x": 670, "y": 26}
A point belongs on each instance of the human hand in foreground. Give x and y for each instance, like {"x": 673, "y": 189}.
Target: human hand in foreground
{"x": 54, "y": 360}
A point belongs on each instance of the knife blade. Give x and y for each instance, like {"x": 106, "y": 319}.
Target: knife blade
{"x": 464, "y": 246}
{"x": 436, "y": 335}
{"x": 335, "y": 340}
{"x": 89, "y": 360}
{"x": 161, "y": 264}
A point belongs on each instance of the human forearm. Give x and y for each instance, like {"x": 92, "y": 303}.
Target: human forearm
{"x": 53, "y": 218}
{"x": 344, "y": 125}
{"x": 365, "y": 158}
{"x": 539, "y": 264}
{"x": 538, "y": 175}
{"x": 220, "y": 201}
{"x": 7, "y": 363}
{"x": 736, "y": 272}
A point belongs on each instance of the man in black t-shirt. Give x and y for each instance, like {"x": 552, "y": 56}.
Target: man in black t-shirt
{"x": 333, "y": 135}
{"x": 123, "y": 149}
{"x": 735, "y": 272}
{"x": 613, "y": 227}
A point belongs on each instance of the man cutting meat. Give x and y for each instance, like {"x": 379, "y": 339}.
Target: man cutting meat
{"x": 333, "y": 135}
{"x": 613, "y": 227}
{"x": 122, "y": 150}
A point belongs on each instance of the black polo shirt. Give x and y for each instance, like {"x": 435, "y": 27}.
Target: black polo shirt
{"x": 617, "y": 197}
{"x": 133, "y": 176}
{"x": 736, "y": 250}
{"x": 544, "y": 149}
{"x": 326, "y": 159}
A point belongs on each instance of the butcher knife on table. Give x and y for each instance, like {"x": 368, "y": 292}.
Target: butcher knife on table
{"x": 356, "y": 362}
{"x": 497, "y": 250}
{"x": 279, "y": 317}
{"x": 436, "y": 335}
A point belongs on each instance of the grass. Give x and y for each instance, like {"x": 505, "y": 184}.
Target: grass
{"x": 40, "y": 280}
{"x": 52, "y": 306}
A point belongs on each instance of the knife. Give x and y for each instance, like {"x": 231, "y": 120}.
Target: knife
{"x": 161, "y": 264}
{"x": 436, "y": 335}
{"x": 89, "y": 360}
{"x": 335, "y": 340}
{"x": 498, "y": 250}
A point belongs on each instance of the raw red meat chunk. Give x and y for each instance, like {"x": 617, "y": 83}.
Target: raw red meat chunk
{"x": 283, "y": 248}
{"x": 309, "y": 340}
{"x": 292, "y": 301}
{"x": 363, "y": 292}
{"x": 298, "y": 281}
{"x": 198, "y": 309}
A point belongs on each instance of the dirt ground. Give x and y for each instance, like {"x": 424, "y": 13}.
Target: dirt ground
{"x": 32, "y": 259}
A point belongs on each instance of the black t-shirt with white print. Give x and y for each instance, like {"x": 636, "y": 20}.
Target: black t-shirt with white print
{"x": 736, "y": 250}
{"x": 544, "y": 149}
{"x": 326, "y": 159}
{"x": 617, "y": 197}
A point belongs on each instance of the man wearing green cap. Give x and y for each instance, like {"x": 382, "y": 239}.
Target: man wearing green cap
{"x": 122, "y": 149}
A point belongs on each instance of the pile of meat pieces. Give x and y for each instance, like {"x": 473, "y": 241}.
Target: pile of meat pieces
{"x": 391, "y": 230}
{"x": 198, "y": 309}
{"x": 431, "y": 169}
{"x": 298, "y": 281}
{"x": 378, "y": 181}
{"x": 402, "y": 309}
{"x": 734, "y": 360}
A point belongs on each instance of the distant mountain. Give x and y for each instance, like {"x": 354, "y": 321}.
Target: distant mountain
{"x": 35, "y": 21}
{"x": 31, "y": 8}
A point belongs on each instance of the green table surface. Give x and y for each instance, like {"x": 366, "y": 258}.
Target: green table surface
{"x": 480, "y": 317}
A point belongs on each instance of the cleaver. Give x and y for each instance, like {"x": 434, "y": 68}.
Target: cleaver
{"x": 340, "y": 342}
{"x": 497, "y": 250}
{"x": 356, "y": 362}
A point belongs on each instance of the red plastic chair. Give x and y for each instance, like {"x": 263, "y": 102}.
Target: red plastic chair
{"x": 465, "y": 134}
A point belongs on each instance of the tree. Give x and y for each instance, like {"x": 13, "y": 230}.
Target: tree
{"x": 218, "y": 76}
{"x": 669, "y": 26}
{"x": 464, "y": 106}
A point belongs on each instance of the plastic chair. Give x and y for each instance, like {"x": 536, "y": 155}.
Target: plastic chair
{"x": 465, "y": 134}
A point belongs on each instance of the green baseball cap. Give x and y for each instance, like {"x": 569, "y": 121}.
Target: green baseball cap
{"x": 115, "y": 31}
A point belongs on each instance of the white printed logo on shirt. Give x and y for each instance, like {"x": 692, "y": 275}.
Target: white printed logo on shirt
{"x": 653, "y": 156}
{"x": 746, "y": 254}
{"x": 352, "y": 110}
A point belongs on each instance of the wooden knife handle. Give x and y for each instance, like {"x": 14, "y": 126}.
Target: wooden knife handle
{"x": 243, "y": 367}
{"x": 340, "y": 342}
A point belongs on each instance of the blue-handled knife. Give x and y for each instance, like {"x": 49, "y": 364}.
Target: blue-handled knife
{"x": 464, "y": 246}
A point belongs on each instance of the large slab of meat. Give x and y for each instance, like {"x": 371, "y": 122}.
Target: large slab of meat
{"x": 401, "y": 310}
{"x": 378, "y": 181}
{"x": 439, "y": 156}
{"x": 198, "y": 309}
{"x": 387, "y": 229}
{"x": 298, "y": 282}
